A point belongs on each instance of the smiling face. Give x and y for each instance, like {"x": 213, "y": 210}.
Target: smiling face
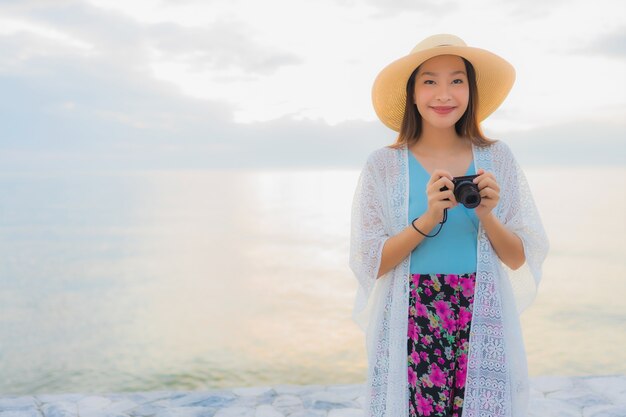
{"x": 441, "y": 90}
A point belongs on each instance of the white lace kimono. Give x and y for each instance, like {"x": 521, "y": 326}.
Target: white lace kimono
{"x": 497, "y": 375}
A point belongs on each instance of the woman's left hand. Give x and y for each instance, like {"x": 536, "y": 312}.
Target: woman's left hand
{"x": 489, "y": 193}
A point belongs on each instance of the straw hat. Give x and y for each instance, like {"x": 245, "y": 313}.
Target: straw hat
{"x": 494, "y": 77}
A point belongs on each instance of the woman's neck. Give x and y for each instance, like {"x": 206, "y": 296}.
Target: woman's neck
{"x": 443, "y": 145}
{"x": 439, "y": 142}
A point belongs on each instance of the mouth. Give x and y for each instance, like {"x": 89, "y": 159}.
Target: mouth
{"x": 443, "y": 109}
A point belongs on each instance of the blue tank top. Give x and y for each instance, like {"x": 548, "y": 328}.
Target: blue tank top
{"x": 453, "y": 250}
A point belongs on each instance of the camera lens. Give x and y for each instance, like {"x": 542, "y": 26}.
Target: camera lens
{"x": 466, "y": 193}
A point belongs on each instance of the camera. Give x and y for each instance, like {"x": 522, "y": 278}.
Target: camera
{"x": 465, "y": 191}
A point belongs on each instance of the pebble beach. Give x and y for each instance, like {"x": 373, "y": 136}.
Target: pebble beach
{"x": 582, "y": 396}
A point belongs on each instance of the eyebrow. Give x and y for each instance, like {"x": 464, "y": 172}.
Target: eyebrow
{"x": 434, "y": 74}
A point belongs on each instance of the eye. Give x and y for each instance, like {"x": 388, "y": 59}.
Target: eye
{"x": 428, "y": 81}
{"x": 458, "y": 79}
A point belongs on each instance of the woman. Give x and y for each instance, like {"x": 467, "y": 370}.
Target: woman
{"x": 441, "y": 281}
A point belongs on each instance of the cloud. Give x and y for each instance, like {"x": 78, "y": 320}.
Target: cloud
{"x": 611, "y": 45}
{"x": 583, "y": 142}
{"x": 224, "y": 45}
{"x": 392, "y": 8}
{"x": 68, "y": 107}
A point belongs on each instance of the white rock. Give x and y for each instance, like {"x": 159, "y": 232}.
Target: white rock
{"x": 552, "y": 408}
{"x": 20, "y": 412}
{"x": 346, "y": 412}
{"x": 9, "y": 403}
{"x": 605, "y": 411}
{"x": 335, "y": 396}
{"x": 309, "y": 413}
{"x": 60, "y": 409}
{"x": 349, "y": 391}
{"x": 578, "y": 396}
{"x": 92, "y": 405}
{"x": 613, "y": 387}
{"x": 298, "y": 389}
{"x": 235, "y": 412}
{"x": 547, "y": 384}
{"x": 287, "y": 404}
{"x": 266, "y": 410}
{"x": 252, "y": 391}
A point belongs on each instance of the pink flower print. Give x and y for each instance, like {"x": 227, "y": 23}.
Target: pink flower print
{"x": 462, "y": 360}
{"x": 437, "y": 376}
{"x": 438, "y": 352}
{"x": 441, "y": 361}
{"x": 424, "y": 355}
{"x": 428, "y": 292}
{"x": 439, "y": 408}
{"x": 465, "y": 316}
{"x": 442, "y": 308}
{"x": 424, "y": 407}
{"x": 460, "y": 375}
{"x": 452, "y": 280}
{"x": 468, "y": 287}
{"x": 413, "y": 333}
{"x": 454, "y": 300}
{"x": 449, "y": 324}
{"x": 416, "y": 280}
{"x": 420, "y": 310}
{"x": 412, "y": 377}
{"x": 416, "y": 357}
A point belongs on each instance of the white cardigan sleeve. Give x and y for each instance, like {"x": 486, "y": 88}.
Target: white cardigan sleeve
{"x": 367, "y": 234}
{"x": 518, "y": 212}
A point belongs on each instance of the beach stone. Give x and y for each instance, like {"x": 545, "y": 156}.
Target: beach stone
{"x": 252, "y": 391}
{"x": 612, "y": 387}
{"x": 578, "y": 397}
{"x": 605, "y": 411}
{"x": 346, "y": 412}
{"x": 235, "y": 412}
{"x": 547, "y": 384}
{"x": 298, "y": 389}
{"x": 552, "y": 408}
{"x": 287, "y": 404}
{"x": 311, "y": 413}
{"x": 62, "y": 408}
{"x": 21, "y": 412}
{"x": 554, "y": 396}
{"x": 266, "y": 410}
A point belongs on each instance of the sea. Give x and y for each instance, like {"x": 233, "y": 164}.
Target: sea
{"x": 118, "y": 281}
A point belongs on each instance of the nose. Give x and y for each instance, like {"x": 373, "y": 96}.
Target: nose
{"x": 442, "y": 93}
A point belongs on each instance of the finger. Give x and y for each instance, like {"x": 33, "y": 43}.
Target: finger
{"x": 440, "y": 183}
{"x": 437, "y": 174}
{"x": 488, "y": 182}
{"x": 489, "y": 193}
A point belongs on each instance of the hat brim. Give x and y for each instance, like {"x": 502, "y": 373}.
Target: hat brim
{"x": 494, "y": 79}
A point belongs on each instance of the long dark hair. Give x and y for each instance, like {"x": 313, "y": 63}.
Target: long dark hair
{"x": 466, "y": 127}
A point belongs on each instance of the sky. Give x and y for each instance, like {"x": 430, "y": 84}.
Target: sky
{"x": 164, "y": 84}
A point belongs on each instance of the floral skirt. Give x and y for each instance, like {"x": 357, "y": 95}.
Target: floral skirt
{"x": 440, "y": 316}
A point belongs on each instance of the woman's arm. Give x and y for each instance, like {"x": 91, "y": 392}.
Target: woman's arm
{"x": 508, "y": 245}
{"x": 399, "y": 246}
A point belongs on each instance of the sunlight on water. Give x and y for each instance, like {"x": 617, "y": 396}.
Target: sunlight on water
{"x": 197, "y": 279}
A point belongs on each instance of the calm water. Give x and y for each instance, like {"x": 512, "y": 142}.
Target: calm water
{"x": 200, "y": 279}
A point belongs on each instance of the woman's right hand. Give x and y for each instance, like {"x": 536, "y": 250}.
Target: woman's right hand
{"x": 439, "y": 200}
